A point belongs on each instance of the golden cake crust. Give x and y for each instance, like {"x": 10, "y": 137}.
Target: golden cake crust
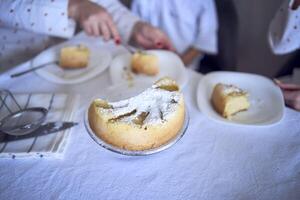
{"x": 135, "y": 136}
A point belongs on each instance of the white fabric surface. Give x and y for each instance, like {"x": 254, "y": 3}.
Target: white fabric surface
{"x": 61, "y": 107}
{"x": 212, "y": 160}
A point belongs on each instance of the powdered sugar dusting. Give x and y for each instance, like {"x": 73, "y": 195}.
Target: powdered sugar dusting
{"x": 159, "y": 103}
{"x": 228, "y": 89}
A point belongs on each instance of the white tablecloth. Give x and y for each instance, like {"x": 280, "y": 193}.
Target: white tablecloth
{"x": 212, "y": 160}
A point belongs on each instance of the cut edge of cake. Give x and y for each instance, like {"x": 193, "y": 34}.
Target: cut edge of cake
{"x": 229, "y": 100}
{"x": 74, "y": 57}
{"x": 144, "y": 63}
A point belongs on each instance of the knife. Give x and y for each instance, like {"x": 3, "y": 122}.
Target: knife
{"x": 45, "y": 129}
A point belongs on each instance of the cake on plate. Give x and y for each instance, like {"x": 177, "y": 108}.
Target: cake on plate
{"x": 144, "y": 63}
{"x": 74, "y": 57}
{"x": 228, "y": 100}
{"x": 142, "y": 122}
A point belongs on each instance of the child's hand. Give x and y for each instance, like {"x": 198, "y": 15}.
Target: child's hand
{"x": 291, "y": 93}
{"x": 94, "y": 19}
{"x": 149, "y": 37}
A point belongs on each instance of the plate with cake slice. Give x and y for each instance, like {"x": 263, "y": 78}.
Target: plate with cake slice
{"x": 147, "y": 66}
{"x": 138, "y": 123}
{"x": 240, "y": 98}
{"x": 71, "y": 62}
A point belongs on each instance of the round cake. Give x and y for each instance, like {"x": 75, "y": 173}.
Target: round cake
{"x": 143, "y": 122}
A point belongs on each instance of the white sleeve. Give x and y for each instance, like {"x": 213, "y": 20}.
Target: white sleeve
{"x": 124, "y": 19}
{"x": 45, "y": 17}
{"x": 136, "y": 8}
{"x": 207, "y": 37}
{"x": 284, "y": 31}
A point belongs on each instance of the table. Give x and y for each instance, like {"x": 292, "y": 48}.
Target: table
{"x": 211, "y": 161}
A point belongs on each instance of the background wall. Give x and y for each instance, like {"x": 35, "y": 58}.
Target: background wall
{"x": 254, "y": 54}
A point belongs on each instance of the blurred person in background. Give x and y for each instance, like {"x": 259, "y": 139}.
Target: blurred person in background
{"x": 284, "y": 36}
{"x": 27, "y": 27}
{"x": 191, "y": 25}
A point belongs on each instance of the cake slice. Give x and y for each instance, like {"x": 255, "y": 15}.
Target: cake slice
{"x": 228, "y": 100}
{"x": 74, "y": 57}
{"x": 142, "y": 122}
{"x": 144, "y": 63}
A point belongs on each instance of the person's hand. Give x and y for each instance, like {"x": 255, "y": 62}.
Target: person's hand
{"x": 291, "y": 93}
{"x": 189, "y": 55}
{"x": 93, "y": 19}
{"x": 149, "y": 37}
{"x": 295, "y": 4}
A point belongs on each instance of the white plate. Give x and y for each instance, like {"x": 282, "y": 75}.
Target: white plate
{"x": 121, "y": 92}
{"x": 266, "y": 99}
{"x": 99, "y": 61}
{"x": 169, "y": 65}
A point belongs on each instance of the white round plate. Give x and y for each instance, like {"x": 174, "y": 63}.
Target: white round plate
{"x": 121, "y": 92}
{"x": 169, "y": 65}
{"x": 266, "y": 99}
{"x": 98, "y": 62}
